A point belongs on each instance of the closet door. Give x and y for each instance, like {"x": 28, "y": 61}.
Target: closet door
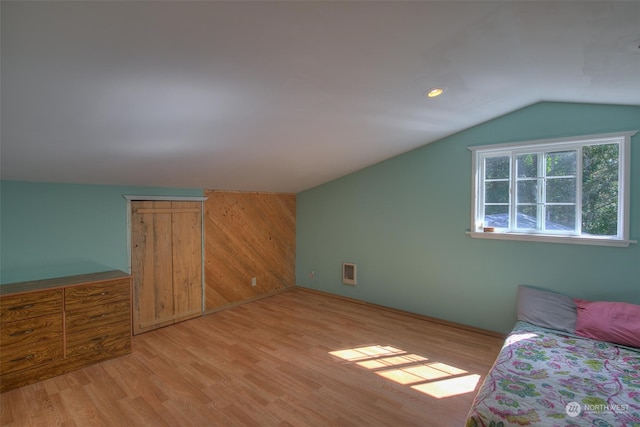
{"x": 166, "y": 262}
{"x": 187, "y": 259}
{"x": 151, "y": 265}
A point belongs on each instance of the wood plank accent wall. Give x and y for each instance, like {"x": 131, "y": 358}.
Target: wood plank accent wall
{"x": 248, "y": 235}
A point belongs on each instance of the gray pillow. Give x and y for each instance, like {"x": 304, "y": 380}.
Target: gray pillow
{"x": 547, "y": 309}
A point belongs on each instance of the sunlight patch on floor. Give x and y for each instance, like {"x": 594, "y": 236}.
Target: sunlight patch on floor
{"x": 386, "y": 362}
{"x": 360, "y": 353}
{"x": 433, "y": 378}
{"x": 450, "y": 387}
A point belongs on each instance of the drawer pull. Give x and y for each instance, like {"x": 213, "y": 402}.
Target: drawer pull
{"x": 22, "y": 359}
{"x": 97, "y": 316}
{"x": 100, "y": 338}
{"x": 21, "y": 307}
{"x": 15, "y": 334}
{"x": 99, "y": 294}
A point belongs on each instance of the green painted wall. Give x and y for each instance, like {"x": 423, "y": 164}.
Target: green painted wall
{"x": 51, "y": 230}
{"x": 403, "y": 222}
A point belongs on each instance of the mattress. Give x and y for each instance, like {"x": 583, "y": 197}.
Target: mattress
{"x": 544, "y": 377}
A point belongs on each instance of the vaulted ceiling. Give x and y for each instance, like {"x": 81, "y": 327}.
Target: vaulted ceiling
{"x": 283, "y": 96}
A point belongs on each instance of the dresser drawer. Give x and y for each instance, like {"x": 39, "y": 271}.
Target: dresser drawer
{"x": 81, "y": 297}
{"x": 103, "y": 342}
{"x": 92, "y": 316}
{"x": 30, "y": 331}
{"x": 22, "y": 377}
{"x": 18, "y": 357}
{"x": 23, "y": 306}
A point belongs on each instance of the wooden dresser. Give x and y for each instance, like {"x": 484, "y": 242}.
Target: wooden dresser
{"x": 49, "y": 327}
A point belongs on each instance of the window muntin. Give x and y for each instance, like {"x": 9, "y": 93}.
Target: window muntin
{"x": 571, "y": 188}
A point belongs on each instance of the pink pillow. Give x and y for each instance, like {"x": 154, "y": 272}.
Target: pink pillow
{"x": 617, "y": 322}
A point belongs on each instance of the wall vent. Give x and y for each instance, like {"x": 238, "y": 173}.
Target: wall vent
{"x": 349, "y": 273}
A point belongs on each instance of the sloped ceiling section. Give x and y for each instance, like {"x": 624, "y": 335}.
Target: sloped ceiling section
{"x": 283, "y": 96}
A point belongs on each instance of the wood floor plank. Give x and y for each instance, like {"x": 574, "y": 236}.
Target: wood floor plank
{"x": 297, "y": 358}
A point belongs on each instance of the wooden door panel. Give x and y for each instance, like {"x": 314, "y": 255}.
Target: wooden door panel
{"x": 187, "y": 259}
{"x": 151, "y": 263}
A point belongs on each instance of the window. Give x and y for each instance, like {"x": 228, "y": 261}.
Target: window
{"x": 571, "y": 190}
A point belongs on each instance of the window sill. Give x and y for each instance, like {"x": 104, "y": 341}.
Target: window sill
{"x": 552, "y": 239}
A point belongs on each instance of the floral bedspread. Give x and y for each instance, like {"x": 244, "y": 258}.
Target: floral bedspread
{"x": 549, "y": 378}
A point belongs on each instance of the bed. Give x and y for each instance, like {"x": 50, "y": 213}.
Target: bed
{"x": 557, "y": 369}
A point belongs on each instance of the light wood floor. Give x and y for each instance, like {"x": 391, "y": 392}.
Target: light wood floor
{"x": 298, "y": 358}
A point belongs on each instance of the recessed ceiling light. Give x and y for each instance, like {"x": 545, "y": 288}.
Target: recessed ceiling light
{"x": 436, "y": 91}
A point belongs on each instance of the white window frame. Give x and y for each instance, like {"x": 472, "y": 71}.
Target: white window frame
{"x": 559, "y": 144}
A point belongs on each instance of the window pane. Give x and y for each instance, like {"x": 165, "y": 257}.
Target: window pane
{"x": 561, "y": 190}
{"x": 557, "y": 187}
{"x": 600, "y": 189}
{"x": 496, "y": 216}
{"x": 527, "y": 217}
{"x": 497, "y": 167}
{"x": 561, "y": 163}
{"x": 528, "y": 191}
{"x": 560, "y": 218}
{"x": 496, "y": 192}
{"x": 527, "y": 165}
